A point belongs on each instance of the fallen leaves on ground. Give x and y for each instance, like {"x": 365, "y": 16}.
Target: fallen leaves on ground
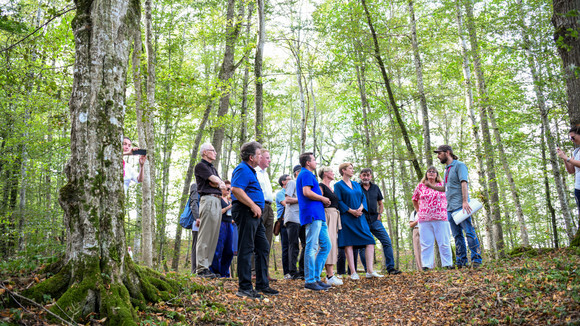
{"x": 538, "y": 290}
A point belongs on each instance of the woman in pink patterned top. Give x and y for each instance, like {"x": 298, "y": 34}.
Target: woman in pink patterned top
{"x": 431, "y": 207}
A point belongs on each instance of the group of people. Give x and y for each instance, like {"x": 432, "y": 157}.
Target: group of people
{"x": 331, "y": 221}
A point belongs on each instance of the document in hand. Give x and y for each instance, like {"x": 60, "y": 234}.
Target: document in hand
{"x": 461, "y": 216}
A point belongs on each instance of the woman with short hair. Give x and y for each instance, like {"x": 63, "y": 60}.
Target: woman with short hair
{"x": 355, "y": 232}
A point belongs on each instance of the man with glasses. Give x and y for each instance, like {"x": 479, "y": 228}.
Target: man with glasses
{"x": 209, "y": 186}
{"x": 455, "y": 186}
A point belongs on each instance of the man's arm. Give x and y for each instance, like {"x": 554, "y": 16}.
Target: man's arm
{"x": 307, "y": 192}
{"x": 216, "y": 182}
{"x": 245, "y": 199}
{"x": 291, "y": 200}
{"x": 381, "y": 210}
{"x": 464, "y": 194}
{"x": 434, "y": 187}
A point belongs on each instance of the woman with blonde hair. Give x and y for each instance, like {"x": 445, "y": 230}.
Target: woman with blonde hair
{"x": 431, "y": 207}
{"x": 333, "y": 221}
{"x": 355, "y": 232}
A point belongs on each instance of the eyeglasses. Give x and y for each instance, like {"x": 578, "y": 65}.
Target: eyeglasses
{"x": 431, "y": 171}
{"x": 229, "y": 189}
{"x": 572, "y": 138}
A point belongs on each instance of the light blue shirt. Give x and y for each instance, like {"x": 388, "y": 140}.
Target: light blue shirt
{"x": 455, "y": 173}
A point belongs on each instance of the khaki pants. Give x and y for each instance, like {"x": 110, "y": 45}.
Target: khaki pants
{"x": 417, "y": 248}
{"x": 210, "y": 215}
{"x": 333, "y": 222}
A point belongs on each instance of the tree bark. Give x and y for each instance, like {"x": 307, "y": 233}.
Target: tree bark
{"x": 361, "y": 83}
{"x": 422, "y": 99}
{"x": 233, "y": 26}
{"x": 258, "y": 72}
{"x": 487, "y": 144}
{"x": 97, "y": 276}
{"x": 401, "y": 123}
{"x": 567, "y": 28}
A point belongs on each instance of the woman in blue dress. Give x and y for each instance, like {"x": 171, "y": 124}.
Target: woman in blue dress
{"x": 355, "y": 232}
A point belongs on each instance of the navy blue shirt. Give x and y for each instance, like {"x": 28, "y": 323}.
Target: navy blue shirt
{"x": 310, "y": 210}
{"x": 244, "y": 177}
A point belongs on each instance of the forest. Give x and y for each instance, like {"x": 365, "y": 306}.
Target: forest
{"x": 374, "y": 82}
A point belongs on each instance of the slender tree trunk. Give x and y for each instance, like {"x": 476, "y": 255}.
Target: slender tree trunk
{"x": 377, "y": 55}
{"x": 487, "y": 144}
{"x": 233, "y": 26}
{"x": 187, "y": 183}
{"x": 475, "y": 129}
{"x": 361, "y": 83}
{"x": 551, "y": 209}
{"x": 422, "y": 99}
{"x": 314, "y": 117}
{"x": 258, "y": 72}
{"x": 246, "y": 82}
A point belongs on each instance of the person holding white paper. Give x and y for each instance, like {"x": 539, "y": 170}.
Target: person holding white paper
{"x": 456, "y": 190}
{"x": 431, "y": 207}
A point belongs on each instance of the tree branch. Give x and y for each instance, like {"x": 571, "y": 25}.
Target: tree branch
{"x": 62, "y": 12}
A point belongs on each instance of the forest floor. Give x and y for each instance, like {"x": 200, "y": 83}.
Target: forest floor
{"x": 535, "y": 288}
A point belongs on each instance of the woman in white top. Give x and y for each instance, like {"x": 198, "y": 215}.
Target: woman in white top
{"x": 573, "y": 163}
{"x": 129, "y": 174}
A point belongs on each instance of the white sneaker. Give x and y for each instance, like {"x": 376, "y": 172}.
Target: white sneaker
{"x": 333, "y": 281}
{"x": 354, "y": 276}
{"x": 287, "y": 277}
{"x": 374, "y": 274}
{"x": 338, "y": 275}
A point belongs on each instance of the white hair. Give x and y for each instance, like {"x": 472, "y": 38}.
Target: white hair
{"x": 205, "y": 147}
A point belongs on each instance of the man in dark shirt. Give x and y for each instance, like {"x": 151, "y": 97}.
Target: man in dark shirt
{"x": 375, "y": 209}
{"x": 247, "y": 207}
{"x": 209, "y": 185}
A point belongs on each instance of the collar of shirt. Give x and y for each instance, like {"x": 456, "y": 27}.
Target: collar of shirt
{"x": 265, "y": 183}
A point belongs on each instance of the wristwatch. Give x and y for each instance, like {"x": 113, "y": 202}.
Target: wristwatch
{"x": 568, "y": 160}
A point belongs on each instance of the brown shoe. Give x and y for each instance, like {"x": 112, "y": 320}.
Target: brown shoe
{"x": 271, "y": 279}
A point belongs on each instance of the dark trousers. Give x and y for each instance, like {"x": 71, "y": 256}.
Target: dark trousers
{"x": 251, "y": 239}
{"x": 284, "y": 240}
{"x": 302, "y": 236}
{"x": 293, "y": 232}
{"x": 193, "y": 245}
{"x": 222, "y": 259}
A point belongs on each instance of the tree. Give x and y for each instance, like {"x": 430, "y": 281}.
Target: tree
{"x": 96, "y": 275}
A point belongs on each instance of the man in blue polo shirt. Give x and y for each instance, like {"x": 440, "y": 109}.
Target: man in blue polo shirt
{"x": 312, "y": 203}
{"x": 457, "y": 193}
{"x": 247, "y": 207}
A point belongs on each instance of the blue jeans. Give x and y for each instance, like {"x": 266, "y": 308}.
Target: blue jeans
{"x": 378, "y": 230}
{"x": 223, "y": 252}
{"x": 472, "y": 241}
{"x": 316, "y": 238}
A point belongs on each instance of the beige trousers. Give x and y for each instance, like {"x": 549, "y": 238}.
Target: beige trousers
{"x": 210, "y": 215}
{"x": 333, "y": 222}
{"x": 417, "y": 248}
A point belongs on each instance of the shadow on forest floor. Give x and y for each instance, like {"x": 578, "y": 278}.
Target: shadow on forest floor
{"x": 538, "y": 290}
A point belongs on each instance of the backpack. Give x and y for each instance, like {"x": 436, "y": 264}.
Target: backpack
{"x": 187, "y": 218}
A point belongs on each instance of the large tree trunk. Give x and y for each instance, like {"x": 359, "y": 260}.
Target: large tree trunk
{"x": 474, "y": 123}
{"x": 258, "y": 72}
{"x": 487, "y": 144}
{"x": 567, "y": 27}
{"x": 233, "y": 26}
{"x": 97, "y": 276}
{"x": 401, "y": 123}
{"x": 420, "y": 88}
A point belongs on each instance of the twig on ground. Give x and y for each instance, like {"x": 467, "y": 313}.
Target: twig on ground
{"x": 34, "y": 303}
